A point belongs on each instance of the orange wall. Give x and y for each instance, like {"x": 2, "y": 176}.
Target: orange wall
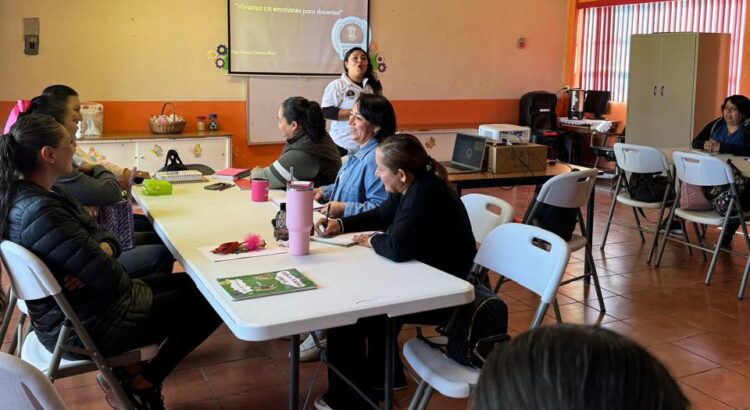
{"x": 131, "y": 116}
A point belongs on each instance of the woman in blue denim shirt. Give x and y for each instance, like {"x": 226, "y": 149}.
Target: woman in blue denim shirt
{"x": 356, "y": 188}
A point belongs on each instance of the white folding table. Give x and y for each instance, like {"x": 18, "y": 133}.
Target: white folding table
{"x": 353, "y": 282}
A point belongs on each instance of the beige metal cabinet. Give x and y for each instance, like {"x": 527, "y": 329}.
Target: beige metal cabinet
{"x": 676, "y": 84}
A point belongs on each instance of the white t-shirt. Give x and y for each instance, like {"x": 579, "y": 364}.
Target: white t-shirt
{"x": 342, "y": 93}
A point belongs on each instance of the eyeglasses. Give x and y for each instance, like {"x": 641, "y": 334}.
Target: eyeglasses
{"x": 725, "y": 108}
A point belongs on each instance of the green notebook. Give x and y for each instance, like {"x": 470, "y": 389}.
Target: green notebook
{"x": 266, "y": 284}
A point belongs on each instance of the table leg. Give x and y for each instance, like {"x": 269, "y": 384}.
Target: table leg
{"x": 294, "y": 372}
{"x": 589, "y": 230}
{"x": 390, "y": 357}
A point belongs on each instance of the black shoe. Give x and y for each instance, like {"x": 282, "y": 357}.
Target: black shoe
{"x": 146, "y": 399}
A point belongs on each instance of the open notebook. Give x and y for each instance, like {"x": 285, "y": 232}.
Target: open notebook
{"x": 345, "y": 239}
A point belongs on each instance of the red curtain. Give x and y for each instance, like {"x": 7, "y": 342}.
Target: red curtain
{"x": 604, "y": 33}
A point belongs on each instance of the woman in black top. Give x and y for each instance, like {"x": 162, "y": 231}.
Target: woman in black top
{"x": 421, "y": 219}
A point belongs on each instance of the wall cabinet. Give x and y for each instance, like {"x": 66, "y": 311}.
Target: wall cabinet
{"x": 148, "y": 152}
{"x": 676, "y": 84}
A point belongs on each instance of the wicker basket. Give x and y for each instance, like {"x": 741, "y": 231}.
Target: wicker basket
{"x": 169, "y": 128}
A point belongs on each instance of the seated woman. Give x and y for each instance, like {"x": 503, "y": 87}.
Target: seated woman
{"x": 421, "y": 219}
{"x": 575, "y": 367}
{"x": 120, "y": 313}
{"x": 728, "y": 134}
{"x": 309, "y": 151}
{"x": 94, "y": 185}
{"x": 357, "y": 188}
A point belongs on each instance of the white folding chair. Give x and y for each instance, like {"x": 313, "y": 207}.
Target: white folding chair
{"x": 532, "y": 257}
{"x": 16, "y": 342}
{"x": 705, "y": 170}
{"x": 30, "y": 279}
{"x": 24, "y": 387}
{"x": 483, "y": 219}
{"x": 571, "y": 190}
{"x": 640, "y": 159}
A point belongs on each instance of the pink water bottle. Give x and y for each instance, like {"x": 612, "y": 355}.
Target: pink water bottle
{"x": 299, "y": 216}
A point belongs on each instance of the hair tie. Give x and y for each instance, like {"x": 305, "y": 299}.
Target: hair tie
{"x": 430, "y": 163}
{"x": 18, "y": 109}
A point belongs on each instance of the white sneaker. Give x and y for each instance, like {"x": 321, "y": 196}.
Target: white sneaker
{"x": 321, "y": 404}
{"x": 308, "y": 351}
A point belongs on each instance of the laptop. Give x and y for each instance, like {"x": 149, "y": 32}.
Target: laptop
{"x": 468, "y": 154}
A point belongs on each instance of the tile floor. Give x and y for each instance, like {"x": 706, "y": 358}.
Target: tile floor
{"x": 700, "y": 332}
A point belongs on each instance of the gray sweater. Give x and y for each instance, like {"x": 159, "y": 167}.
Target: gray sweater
{"x": 100, "y": 188}
{"x": 312, "y": 161}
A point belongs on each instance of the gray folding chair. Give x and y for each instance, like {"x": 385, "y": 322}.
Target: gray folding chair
{"x": 24, "y": 387}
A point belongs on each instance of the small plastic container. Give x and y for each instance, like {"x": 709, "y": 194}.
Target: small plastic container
{"x": 200, "y": 123}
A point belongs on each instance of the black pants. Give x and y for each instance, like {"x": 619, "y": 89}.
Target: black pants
{"x": 358, "y": 351}
{"x": 180, "y": 314}
{"x": 144, "y": 260}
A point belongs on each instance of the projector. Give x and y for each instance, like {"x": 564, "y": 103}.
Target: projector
{"x": 513, "y": 134}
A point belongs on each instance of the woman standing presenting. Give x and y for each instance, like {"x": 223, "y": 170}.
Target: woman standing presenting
{"x": 340, "y": 95}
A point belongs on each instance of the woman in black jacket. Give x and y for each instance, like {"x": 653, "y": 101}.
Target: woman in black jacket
{"x": 421, "y": 219}
{"x": 120, "y": 313}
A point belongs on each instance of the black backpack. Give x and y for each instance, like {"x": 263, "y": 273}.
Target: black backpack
{"x": 475, "y": 329}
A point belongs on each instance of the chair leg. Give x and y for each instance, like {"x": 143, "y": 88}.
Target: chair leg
{"x": 743, "y": 285}
{"x": 717, "y": 249}
{"x": 597, "y": 288}
{"x": 657, "y": 232}
{"x": 425, "y": 398}
{"x": 697, "y": 231}
{"x": 684, "y": 226}
{"x": 666, "y": 236}
{"x": 611, "y": 212}
{"x": 7, "y": 316}
{"x": 556, "y": 308}
{"x": 417, "y": 395}
{"x": 638, "y": 225}
{"x": 500, "y": 280}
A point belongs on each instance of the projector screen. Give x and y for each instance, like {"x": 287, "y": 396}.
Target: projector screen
{"x": 295, "y": 37}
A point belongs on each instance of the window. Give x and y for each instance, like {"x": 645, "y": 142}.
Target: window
{"x": 603, "y": 48}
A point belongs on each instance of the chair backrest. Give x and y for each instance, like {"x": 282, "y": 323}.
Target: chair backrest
{"x": 22, "y": 386}
{"x": 528, "y": 255}
{"x": 29, "y": 276}
{"x": 482, "y": 219}
{"x": 569, "y": 190}
{"x": 701, "y": 169}
{"x": 640, "y": 158}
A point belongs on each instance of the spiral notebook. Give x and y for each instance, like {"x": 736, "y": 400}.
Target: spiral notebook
{"x": 179, "y": 176}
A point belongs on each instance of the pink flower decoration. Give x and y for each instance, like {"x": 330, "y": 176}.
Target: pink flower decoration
{"x": 254, "y": 242}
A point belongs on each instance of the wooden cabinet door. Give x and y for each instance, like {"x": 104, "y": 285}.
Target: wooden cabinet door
{"x": 121, "y": 153}
{"x": 643, "y": 81}
{"x": 213, "y": 152}
{"x": 677, "y": 89}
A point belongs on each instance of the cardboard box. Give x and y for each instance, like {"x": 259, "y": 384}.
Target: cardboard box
{"x": 516, "y": 158}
